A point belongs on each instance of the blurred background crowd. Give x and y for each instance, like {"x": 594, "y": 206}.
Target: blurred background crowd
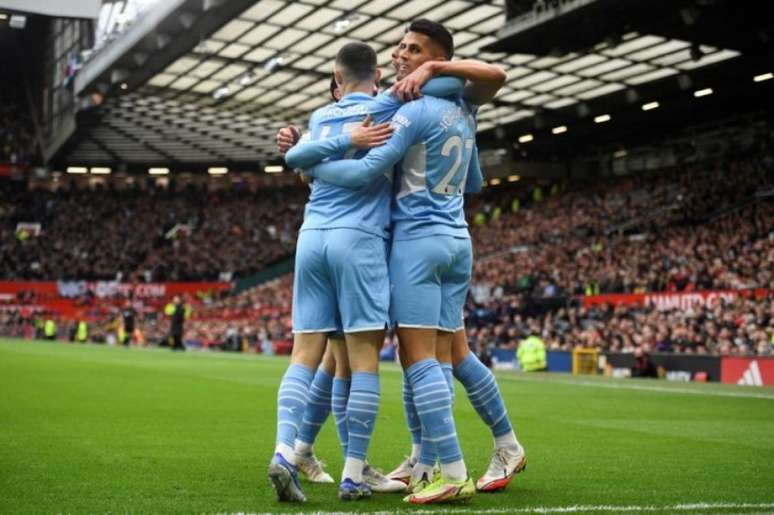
{"x": 539, "y": 248}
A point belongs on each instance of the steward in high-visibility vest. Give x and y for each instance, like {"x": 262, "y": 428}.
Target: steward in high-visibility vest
{"x": 82, "y": 333}
{"x": 532, "y": 354}
{"x": 537, "y": 194}
{"x": 592, "y": 288}
{"x": 49, "y": 329}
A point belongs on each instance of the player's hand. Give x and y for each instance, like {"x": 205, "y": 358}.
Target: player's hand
{"x": 368, "y": 136}
{"x": 286, "y": 138}
{"x": 409, "y": 88}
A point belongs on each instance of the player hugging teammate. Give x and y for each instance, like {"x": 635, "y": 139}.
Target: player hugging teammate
{"x": 384, "y": 241}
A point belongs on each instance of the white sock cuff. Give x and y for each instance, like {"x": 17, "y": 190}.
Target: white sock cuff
{"x": 287, "y": 452}
{"x": 416, "y": 451}
{"x": 506, "y": 440}
{"x": 303, "y": 447}
{"x": 454, "y": 471}
{"x": 353, "y": 469}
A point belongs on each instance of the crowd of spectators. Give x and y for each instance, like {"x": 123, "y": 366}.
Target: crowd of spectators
{"x": 150, "y": 236}
{"x": 258, "y": 318}
{"x": 742, "y": 326}
{"x": 698, "y": 228}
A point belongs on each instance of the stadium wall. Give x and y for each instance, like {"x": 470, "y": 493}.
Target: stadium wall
{"x": 749, "y": 371}
{"x": 672, "y": 300}
{"x": 757, "y": 371}
{"x": 62, "y": 297}
{"x": 678, "y": 367}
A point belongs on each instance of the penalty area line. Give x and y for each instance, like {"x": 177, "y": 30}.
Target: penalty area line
{"x": 684, "y": 507}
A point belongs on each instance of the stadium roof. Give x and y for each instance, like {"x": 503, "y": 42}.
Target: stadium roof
{"x": 224, "y": 99}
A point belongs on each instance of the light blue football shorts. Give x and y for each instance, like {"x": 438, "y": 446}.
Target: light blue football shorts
{"x": 429, "y": 281}
{"x": 341, "y": 282}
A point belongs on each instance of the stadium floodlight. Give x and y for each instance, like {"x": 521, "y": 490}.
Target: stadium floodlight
{"x": 341, "y": 25}
{"x": 100, "y": 170}
{"x": 703, "y": 92}
{"x": 762, "y": 77}
{"x": 221, "y": 92}
{"x": 77, "y": 169}
{"x": 602, "y": 118}
{"x": 274, "y": 64}
{"x": 246, "y": 79}
{"x": 274, "y": 169}
{"x": 619, "y": 154}
{"x": 513, "y": 178}
{"x": 650, "y": 106}
{"x": 158, "y": 171}
{"x": 3, "y": 16}
{"x": 17, "y": 21}
{"x": 495, "y": 181}
{"x": 559, "y": 130}
{"x": 526, "y": 138}
{"x": 217, "y": 170}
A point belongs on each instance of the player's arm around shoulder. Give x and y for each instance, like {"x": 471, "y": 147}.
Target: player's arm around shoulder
{"x": 484, "y": 80}
{"x": 406, "y": 125}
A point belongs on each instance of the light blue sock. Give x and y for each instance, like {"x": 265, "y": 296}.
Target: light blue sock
{"x": 448, "y": 374}
{"x": 433, "y": 404}
{"x": 291, "y": 402}
{"x": 339, "y": 408}
{"x": 361, "y": 413}
{"x": 412, "y": 419}
{"x": 318, "y": 408}
{"x": 429, "y": 454}
{"x": 481, "y": 387}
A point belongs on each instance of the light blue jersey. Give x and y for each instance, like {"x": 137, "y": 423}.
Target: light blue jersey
{"x": 435, "y": 139}
{"x": 366, "y": 208}
{"x": 341, "y": 280}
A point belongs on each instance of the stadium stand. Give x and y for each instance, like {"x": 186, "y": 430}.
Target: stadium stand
{"x": 700, "y": 223}
{"x": 155, "y": 235}
{"x": 701, "y": 227}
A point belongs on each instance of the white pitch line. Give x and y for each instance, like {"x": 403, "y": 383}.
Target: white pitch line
{"x": 685, "y": 507}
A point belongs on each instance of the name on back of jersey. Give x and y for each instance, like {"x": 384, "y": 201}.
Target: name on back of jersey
{"x": 334, "y": 111}
{"x": 399, "y": 121}
{"x": 452, "y": 116}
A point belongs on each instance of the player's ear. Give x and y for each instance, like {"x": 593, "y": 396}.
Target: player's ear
{"x": 378, "y": 77}
{"x": 338, "y": 77}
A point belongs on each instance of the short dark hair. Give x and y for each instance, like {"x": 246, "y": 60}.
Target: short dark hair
{"x": 436, "y": 32}
{"x": 357, "y": 62}
{"x": 334, "y": 87}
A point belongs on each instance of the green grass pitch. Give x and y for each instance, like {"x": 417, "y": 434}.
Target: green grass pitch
{"x": 90, "y": 429}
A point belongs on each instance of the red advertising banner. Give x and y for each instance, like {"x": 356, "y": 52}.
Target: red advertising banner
{"x": 47, "y": 289}
{"x": 665, "y": 301}
{"x": 757, "y": 371}
{"x": 108, "y": 289}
